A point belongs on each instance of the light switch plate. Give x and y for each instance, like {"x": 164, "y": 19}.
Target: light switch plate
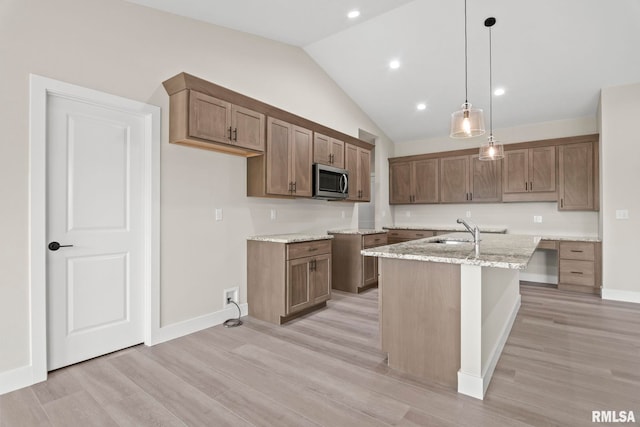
{"x": 537, "y": 219}
{"x": 622, "y": 214}
{"x": 468, "y": 214}
{"x": 218, "y": 214}
{"x": 273, "y": 214}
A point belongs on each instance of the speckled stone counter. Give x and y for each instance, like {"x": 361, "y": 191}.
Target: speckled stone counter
{"x": 451, "y": 228}
{"x": 571, "y": 238}
{"x": 495, "y": 250}
{"x": 290, "y": 238}
{"x": 360, "y": 231}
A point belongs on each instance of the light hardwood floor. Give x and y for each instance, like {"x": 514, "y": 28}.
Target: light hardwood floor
{"x": 568, "y": 354}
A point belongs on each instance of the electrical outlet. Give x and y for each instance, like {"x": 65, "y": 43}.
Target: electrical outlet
{"x": 232, "y": 293}
{"x": 343, "y": 214}
{"x": 408, "y": 214}
{"x": 273, "y": 214}
{"x": 622, "y": 214}
{"x": 219, "y": 214}
{"x": 468, "y": 214}
{"x": 537, "y": 219}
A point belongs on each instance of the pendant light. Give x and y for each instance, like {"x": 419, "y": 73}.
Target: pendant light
{"x": 467, "y": 122}
{"x": 491, "y": 150}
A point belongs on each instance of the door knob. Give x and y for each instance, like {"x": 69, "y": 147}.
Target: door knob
{"x": 54, "y": 246}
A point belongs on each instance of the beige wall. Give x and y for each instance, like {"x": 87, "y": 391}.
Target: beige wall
{"x": 620, "y": 157}
{"x": 128, "y": 50}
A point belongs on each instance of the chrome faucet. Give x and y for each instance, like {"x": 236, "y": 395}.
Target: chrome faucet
{"x": 475, "y": 232}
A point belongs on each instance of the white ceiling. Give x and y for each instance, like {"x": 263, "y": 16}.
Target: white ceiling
{"x": 551, "y": 56}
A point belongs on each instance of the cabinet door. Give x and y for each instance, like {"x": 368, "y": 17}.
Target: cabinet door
{"x": 516, "y": 171}
{"x": 321, "y": 284}
{"x": 298, "y": 284}
{"x": 337, "y": 153}
{"x": 351, "y": 165}
{"x": 400, "y": 183}
{"x": 301, "y": 161}
{"x": 248, "y": 128}
{"x": 369, "y": 270}
{"x": 278, "y": 153}
{"x": 209, "y": 118}
{"x": 454, "y": 179}
{"x": 542, "y": 169}
{"x": 425, "y": 181}
{"x": 486, "y": 180}
{"x": 576, "y": 176}
{"x": 364, "y": 174}
{"x": 321, "y": 149}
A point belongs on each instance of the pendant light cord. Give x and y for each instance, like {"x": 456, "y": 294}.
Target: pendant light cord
{"x": 466, "y": 78}
{"x": 490, "y": 87}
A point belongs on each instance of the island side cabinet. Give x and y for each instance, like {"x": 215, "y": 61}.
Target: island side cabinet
{"x": 287, "y": 280}
{"x": 353, "y": 272}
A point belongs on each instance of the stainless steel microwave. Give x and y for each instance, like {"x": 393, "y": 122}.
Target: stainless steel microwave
{"x": 330, "y": 183}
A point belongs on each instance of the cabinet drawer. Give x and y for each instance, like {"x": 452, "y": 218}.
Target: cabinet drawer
{"x": 373, "y": 240}
{"x": 573, "y": 272}
{"x": 577, "y": 250}
{"x": 409, "y": 234}
{"x": 303, "y": 249}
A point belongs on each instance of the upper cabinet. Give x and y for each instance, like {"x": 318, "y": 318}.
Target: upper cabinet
{"x": 578, "y": 176}
{"x": 358, "y": 164}
{"x": 414, "y": 182}
{"x": 530, "y": 175}
{"x": 285, "y": 169}
{"x": 204, "y": 121}
{"x": 328, "y": 151}
{"x": 465, "y": 179}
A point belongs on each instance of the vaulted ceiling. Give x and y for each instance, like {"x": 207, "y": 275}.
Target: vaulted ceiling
{"x": 552, "y": 57}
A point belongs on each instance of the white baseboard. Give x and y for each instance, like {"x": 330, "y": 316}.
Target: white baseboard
{"x": 18, "y": 378}
{"x": 616, "y": 295}
{"x": 476, "y": 386}
{"x": 186, "y": 327}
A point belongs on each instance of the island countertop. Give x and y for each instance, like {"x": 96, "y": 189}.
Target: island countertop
{"x": 452, "y": 228}
{"x": 361, "y": 231}
{"x": 510, "y": 251}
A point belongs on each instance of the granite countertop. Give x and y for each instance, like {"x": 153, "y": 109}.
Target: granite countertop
{"x": 444, "y": 228}
{"x": 510, "y": 251}
{"x": 290, "y": 238}
{"x": 361, "y": 231}
{"x": 571, "y": 238}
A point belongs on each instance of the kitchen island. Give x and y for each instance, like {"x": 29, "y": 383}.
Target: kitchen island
{"x": 447, "y": 305}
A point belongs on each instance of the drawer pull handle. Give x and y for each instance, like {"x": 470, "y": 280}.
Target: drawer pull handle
{"x": 377, "y": 240}
{"x": 574, "y": 250}
{"x": 577, "y": 272}
{"x": 313, "y": 249}
{"x": 419, "y": 234}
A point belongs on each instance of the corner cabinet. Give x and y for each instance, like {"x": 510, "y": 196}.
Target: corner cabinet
{"x": 358, "y": 164}
{"x": 286, "y": 280}
{"x": 328, "y": 151}
{"x": 529, "y": 175}
{"x": 285, "y": 169}
{"x": 414, "y": 181}
{"x": 465, "y": 179}
{"x": 578, "y": 176}
{"x": 203, "y": 121}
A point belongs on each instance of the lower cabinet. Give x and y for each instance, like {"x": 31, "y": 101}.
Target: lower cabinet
{"x": 285, "y": 280}
{"x": 579, "y": 265}
{"x": 399, "y": 236}
{"x": 353, "y": 272}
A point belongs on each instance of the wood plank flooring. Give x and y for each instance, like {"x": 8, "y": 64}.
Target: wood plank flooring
{"x": 568, "y": 354}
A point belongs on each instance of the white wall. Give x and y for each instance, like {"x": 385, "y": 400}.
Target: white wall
{"x": 619, "y": 160}
{"x": 128, "y": 50}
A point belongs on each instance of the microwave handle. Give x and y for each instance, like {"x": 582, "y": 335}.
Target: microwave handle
{"x": 344, "y": 182}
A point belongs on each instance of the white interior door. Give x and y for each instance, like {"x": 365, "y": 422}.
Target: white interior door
{"x": 95, "y": 204}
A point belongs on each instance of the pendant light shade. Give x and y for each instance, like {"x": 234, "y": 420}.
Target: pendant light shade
{"x": 491, "y": 150}
{"x": 467, "y": 122}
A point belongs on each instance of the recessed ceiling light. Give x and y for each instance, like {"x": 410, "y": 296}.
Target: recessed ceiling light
{"x": 421, "y": 106}
{"x": 353, "y": 14}
{"x": 498, "y": 92}
{"x": 395, "y": 64}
